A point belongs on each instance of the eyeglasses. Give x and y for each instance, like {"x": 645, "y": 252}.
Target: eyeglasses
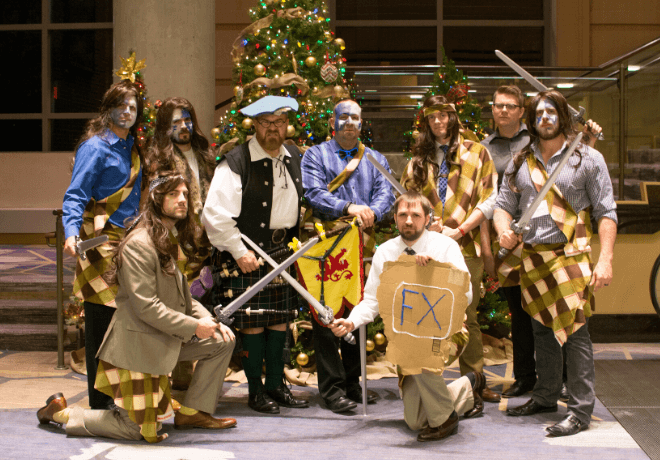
{"x": 266, "y": 124}
{"x": 509, "y": 107}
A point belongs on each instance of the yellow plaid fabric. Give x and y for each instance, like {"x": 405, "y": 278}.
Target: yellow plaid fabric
{"x": 88, "y": 285}
{"x": 145, "y": 397}
{"x": 469, "y": 183}
{"x": 348, "y": 170}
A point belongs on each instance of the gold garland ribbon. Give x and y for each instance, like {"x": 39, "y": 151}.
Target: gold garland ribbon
{"x": 329, "y": 91}
{"x": 278, "y": 82}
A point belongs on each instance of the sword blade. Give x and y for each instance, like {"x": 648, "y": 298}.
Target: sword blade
{"x": 254, "y": 289}
{"x": 531, "y": 209}
{"x": 390, "y": 178}
{"x": 324, "y": 312}
{"x": 84, "y": 246}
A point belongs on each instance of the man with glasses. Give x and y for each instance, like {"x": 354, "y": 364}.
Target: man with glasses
{"x": 256, "y": 190}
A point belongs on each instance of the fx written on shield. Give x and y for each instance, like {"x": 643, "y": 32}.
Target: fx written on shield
{"x": 422, "y": 308}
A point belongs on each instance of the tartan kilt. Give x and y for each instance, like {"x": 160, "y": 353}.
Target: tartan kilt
{"x": 277, "y": 295}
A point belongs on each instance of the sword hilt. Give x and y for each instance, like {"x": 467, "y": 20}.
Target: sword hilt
{"x": 518, "y": 230}
{"x": 327, "y": 317}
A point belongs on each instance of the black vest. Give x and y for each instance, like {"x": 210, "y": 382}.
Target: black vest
{"x": 257, "y": 181}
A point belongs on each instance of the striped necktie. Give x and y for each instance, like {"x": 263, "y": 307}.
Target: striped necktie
{"x": 444, "y": 172}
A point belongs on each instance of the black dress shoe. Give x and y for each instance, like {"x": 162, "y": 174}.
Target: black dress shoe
{"x": 341, "y": 404}
{"x": 261, "y": 402}
{"x": 435, "y": 434}
{"x": 517, "y": 389}
{"x": 564, "y": 396}
{"x": 531, "y": 407}
{"x": 355, "y": 395}
{"x": 477, "y": 389}
{"x": 283, "y": 396}
{"x": 567, "y": 427}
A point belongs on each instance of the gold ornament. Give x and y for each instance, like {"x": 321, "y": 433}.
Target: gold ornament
{"x": 290, "y": 131}
{"x": 215, "y": 132}
{"x": 339, "y": 91}
{"x": 379, "y": 339}
{"x": 233, "y": 106}
{"x": 233, "y": 131}
{"x": 129, "y": 67}
{"x": 370, "y": 345}
{"x": 415, "y": 134}
{"x": 259, "y": 70}
{"x": 328, "y": 138}
{"x": 310, "y": 61}
{"x": 302, "y": 359}
{"x": 247, "y": 123}
{"x": 340, "y": 43}
{"x": 328, "y": 36}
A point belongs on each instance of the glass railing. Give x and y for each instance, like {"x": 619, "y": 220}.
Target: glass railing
{"x": 390, "y": 96}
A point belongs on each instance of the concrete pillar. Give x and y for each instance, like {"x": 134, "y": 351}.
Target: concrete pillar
{"x": 178, "y": 41}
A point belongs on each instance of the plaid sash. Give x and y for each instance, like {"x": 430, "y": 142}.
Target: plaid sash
{"x": 467, "y": 186}
{"x": 348, "y": 170}
{"x": 145, "y": 397}
{"x": 89, "y": 285}
{"x": 554, "y": 277}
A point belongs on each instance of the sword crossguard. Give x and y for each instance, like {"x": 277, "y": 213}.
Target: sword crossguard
{"x": 80, "y": 253}
{"x": 221, "y": 316}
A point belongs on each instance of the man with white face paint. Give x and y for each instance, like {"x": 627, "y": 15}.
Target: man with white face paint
{"x": 558, "y": 275}
{"x": 339, "y": 181}
{"x": 104, "y": 192}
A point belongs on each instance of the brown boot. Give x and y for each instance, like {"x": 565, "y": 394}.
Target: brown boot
{"x": 54, "y": 404}
{"x": 201, "y": 420}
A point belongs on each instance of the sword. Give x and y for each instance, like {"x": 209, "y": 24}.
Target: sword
{"x": 390, "y": 178}
{"x": 324, "y": 312}
{"x": 578, "y": 115}
{"x": 223, "y": 314}
{"x": 86, "y": 245}
{"x": 522, "y": 226}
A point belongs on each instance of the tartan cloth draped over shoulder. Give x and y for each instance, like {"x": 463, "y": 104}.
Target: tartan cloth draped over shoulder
{"x": 467, "y": 186}
{"x": 88, "y": 285}
{"x": 145, "y": 397}
{"x": 554, "y": 277}
{"x": 348, "y": 170}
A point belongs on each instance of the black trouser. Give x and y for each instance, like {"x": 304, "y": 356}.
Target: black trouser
{"x": 97, "y": 320}
{"x": 336, "y": 374}
{"x": 522, "y": 336}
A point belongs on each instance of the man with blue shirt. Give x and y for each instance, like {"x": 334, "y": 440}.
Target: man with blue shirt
{"x": 339, "y": 181}
{"x": 104, "y": 192}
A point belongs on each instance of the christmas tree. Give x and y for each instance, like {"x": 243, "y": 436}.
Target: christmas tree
{"x": 450, "y": 82}
{"x": 288, "y": 50}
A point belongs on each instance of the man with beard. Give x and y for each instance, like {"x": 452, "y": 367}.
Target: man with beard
{"x": 429, "y": 403}
{"x": 256, "y": 191}
{"x": 104, "y": 191}
{"x": 156, "y": 319}
{"x": 340, "y": 182}
{"x": 557, "y": 277}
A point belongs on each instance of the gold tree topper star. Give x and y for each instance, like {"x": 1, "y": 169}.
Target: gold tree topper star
{"x": 130, "y": 67}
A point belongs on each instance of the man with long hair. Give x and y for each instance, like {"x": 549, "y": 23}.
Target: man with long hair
{"x": 458, "y": 177}
{"x": 340, "y": 183}
{"x": 256, "y": 191}
{"x": 104, "y": 192}
{"x": 152, "y": 329}
{"x": 557, "y": 276}
{"x": 429, "y": 404}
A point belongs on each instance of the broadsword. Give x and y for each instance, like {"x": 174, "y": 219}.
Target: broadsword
{"x": 83, "y": 246}
{"x": 223, "y": 313}
{"x": 522, "y": 225}
{"x": 324, "y": 312}
{"x": 578, "y": 115}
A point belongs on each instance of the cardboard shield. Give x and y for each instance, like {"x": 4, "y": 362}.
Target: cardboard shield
{"x": 422, "y": 308}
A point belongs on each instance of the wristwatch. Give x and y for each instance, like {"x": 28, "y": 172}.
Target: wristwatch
{"x": 345, "y": 210}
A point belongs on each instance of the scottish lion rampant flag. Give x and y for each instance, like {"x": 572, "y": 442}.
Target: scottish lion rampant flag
{"x": 343, "y": 272}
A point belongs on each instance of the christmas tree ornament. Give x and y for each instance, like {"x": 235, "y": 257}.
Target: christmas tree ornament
{"x": 129, "y": 68}
{"x": 259, "y": 70}
{"x": 247, "y": 123}
{"x": 329, "y": 72}
{"x": 415, "y": 134}
{"x": 302, "y": 359}
{"x": 379, "y": 339}
{"x": 328, "y": 36}
{"x": 338, "y": 91}
{"x": 233, "y": 131}
{"x": 328, "y": 138}
{"x": 233, "y": 105}
{"x": 340, "y": 43}
{"x": 290, "y": 131}
{"x": 215, "y": 132}
{"x": 370, "y": 345}
{"x": 310, "y": 61}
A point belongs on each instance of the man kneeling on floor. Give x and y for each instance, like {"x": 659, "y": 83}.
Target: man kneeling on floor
{"x": 429, "y": 403}
{"x": 152, "y": 329}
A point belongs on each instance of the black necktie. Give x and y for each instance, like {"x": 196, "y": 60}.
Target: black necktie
{"x": 347, "y": 154}
{"x": 410, "y": 251}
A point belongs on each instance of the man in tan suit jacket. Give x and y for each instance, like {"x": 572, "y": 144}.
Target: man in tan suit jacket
{"x": 151, "y": 330}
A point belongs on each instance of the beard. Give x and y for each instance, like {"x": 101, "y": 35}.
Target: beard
{"x": 410, "y": 234}
{"x": 548, "y": 133}
{"x": 272, "y": 140}
{"x": 177, "y": 139}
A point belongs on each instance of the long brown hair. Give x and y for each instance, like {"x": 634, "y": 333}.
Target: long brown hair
{"x": 424, "y": 150}
{"x": 113, "y": 98}
{"x": 565, "y": 127}
{"x": 189, "y": 231}
{"x": 161, "y": 148}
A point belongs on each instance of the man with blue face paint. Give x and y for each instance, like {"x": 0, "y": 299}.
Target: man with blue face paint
{"x": 340, "y": 182}
{"x": 104, "y": 192}
{"x": 558, "y": 276}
